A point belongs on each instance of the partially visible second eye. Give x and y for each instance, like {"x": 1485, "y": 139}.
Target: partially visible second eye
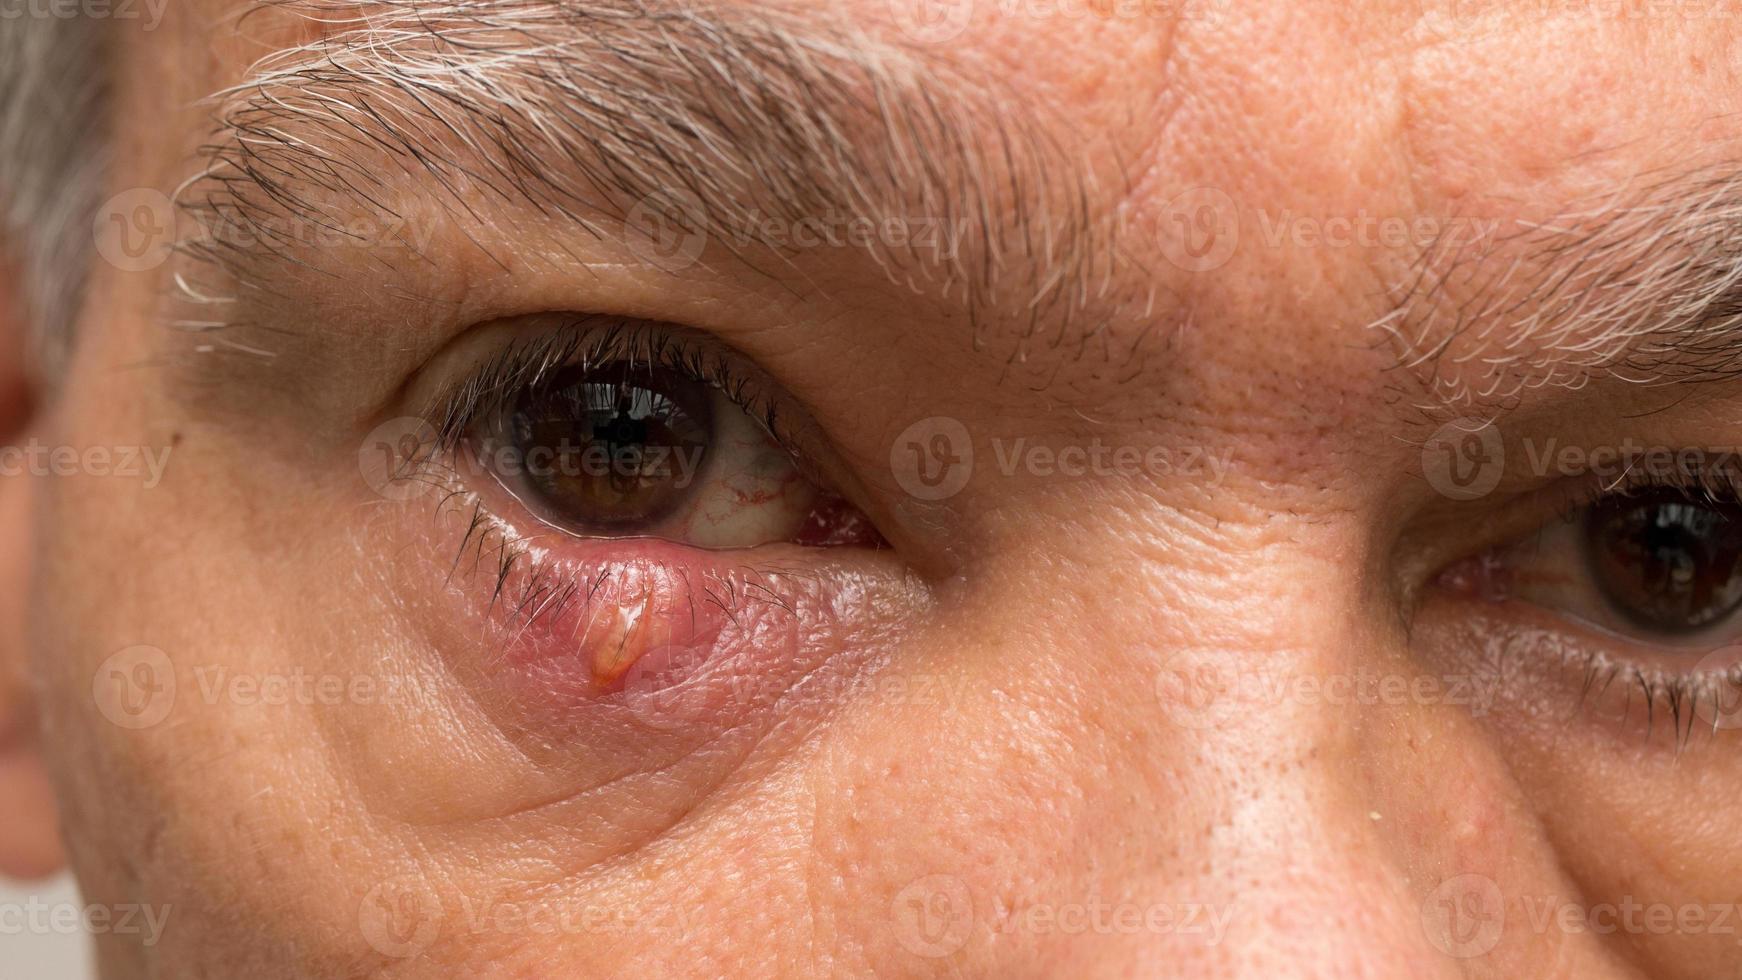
{"x": 627, "y": 447}
{"x": 1655, "y": 565}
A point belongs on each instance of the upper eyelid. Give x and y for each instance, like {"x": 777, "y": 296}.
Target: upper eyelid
{"x": 1720, "y": 484}
{"x": 553, "y": 344}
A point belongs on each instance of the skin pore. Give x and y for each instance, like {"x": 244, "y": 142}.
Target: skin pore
{"x": 1298, "y": 240}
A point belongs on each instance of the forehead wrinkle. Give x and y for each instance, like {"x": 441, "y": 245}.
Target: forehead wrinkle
{"x": 1643, "y": 286}
{"x": 714, "y": 117}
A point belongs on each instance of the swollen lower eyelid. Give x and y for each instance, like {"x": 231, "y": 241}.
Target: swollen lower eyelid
{"x": 646, "y": 624}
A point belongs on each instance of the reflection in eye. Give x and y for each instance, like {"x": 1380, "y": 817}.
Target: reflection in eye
{"x": 612, "y": 452}
{"x": 621, "y": 444}
{"x": 1667, "y": 563}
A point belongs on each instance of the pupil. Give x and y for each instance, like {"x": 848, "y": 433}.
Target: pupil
{"x": 1667, "y": 564}
{"x": 615, "y": 447}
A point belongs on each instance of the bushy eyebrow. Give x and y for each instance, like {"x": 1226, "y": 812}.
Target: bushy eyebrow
{"x": 716, "y": 117}
{"x": 1641, "y": 285}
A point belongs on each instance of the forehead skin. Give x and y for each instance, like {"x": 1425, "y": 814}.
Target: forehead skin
{"x": 1481, "y": 120}
{"x": 1499, "y": 112}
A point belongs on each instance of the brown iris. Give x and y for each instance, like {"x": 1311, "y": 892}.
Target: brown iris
{"x": 1668, "y": 563}
{"x": 616, "y": 447}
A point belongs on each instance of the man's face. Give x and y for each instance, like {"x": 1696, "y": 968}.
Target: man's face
{"x": 988, "y": 489}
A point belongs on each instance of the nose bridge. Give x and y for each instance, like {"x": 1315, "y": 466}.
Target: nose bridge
{"x": 1292, "y": 839}
{"x": 1261, "y": 711}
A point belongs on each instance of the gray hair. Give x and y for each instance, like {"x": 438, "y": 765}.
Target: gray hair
{"x": 52, "y": 155}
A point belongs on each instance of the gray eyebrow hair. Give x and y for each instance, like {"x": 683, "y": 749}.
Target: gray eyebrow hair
{"x": 1642, "y": 285}
{"x": 714, "y": 116}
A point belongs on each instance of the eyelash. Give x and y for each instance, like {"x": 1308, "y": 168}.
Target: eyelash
{"x": 1717, "y": 485}
{"x": 527, "y": 364}
{"x": 1682, "y": 694}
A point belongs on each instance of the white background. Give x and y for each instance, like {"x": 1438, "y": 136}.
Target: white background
{"x": 33, "y": 956}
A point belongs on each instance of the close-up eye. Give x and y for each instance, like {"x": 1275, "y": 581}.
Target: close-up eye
{"x": 1656, "y": 564}
{"x": 635, "y": 430}
{"x": 633, "y": 509}
{"x": 1631, "y": 586}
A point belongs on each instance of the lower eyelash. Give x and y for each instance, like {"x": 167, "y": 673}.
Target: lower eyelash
{"x": 527, "y": 589}
{"x": 1677, "y": 697}
{"x": 1680, "y": 695}
{"x": 1662, "y": 694}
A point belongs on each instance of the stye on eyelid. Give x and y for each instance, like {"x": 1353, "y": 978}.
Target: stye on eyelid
{"x": 624, "y": 640}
